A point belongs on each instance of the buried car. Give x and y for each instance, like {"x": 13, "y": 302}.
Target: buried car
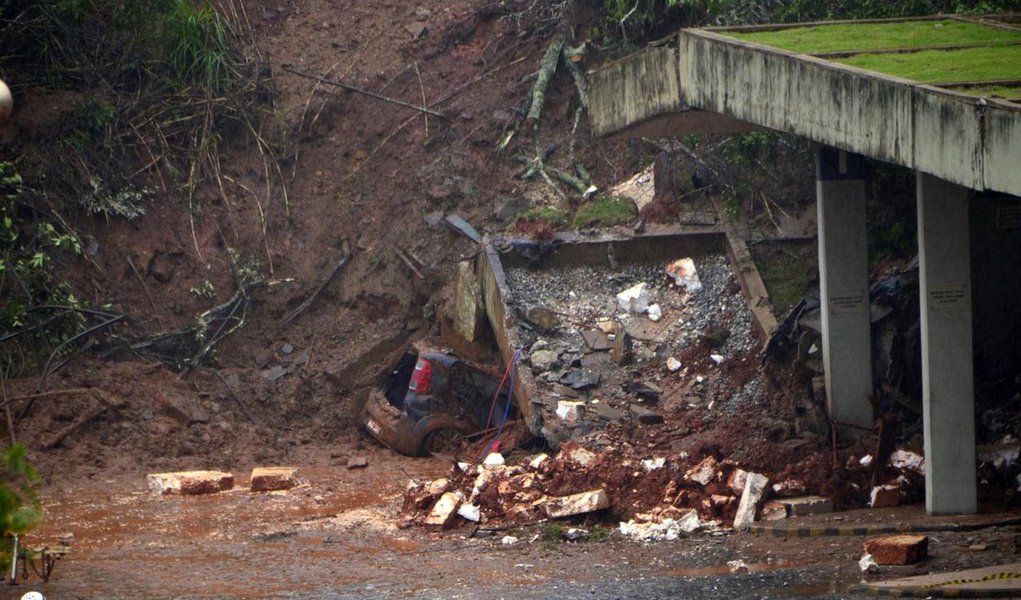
{"x": 431, "y": 400}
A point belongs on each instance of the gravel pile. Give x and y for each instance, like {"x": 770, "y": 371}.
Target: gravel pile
{"x": 582, "y": 386}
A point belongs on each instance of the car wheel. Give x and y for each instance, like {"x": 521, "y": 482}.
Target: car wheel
{"x": 442, "y": 441}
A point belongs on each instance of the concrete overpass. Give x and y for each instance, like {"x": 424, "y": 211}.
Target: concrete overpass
{"x": 955, "y": 138}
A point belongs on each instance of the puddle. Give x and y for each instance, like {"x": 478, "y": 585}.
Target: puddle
{"x": 726, "y": 570}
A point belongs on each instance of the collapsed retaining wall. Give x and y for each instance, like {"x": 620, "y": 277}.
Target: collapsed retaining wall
{"x": 605, "y": 252}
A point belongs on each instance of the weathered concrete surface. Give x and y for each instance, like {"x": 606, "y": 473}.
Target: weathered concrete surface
{"x": 948, "y": 391}
{"x": 1002, "y": 148}
{"x": 807, "y": 505}
{"x": 961, "y": 138}
{"x": 266, "y": 479}
{"x": 190, "y": 482}
{"x": 844, "y": 290}
{"x": 649, "y": 85}
{"x": 751, "y": 496}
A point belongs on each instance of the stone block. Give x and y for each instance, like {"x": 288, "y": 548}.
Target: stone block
{"x": 704, "y": 472}
{"x": 737, "y": 480}
{"x": 577, "y": 504}
{"x": 773, "y": 511}
{"x": 357, "y": 462}
{"x": 807, "y": 505}
{"x": 623, "y": 349}
{"x": 898, "y": 549}
{"x": 646, "y": 416}
{"x": 190, "y": 482}
{"x": 443, "y": 511}
{"x": 751, "y": 497}
{"x": 884, "y": 496}
{"x": 267, "y": 479}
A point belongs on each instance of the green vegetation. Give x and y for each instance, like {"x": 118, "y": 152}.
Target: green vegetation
{"x": 28, "y": 246}
{"x": 875, "y": 36}
{"x": 944, "y": 66}
{"x": 544, "y": 214}
{"x": 605, "y": 211}
{"x": 19, "y": 505}
{"x": 998, "y": 91}
{"x": 789, "y": 271}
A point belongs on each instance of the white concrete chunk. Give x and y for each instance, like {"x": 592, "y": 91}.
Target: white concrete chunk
{"x": 577, "y": 504}
{"x": 190, "y": 482}
{"x": 751, "y": 497}
{"x": 444, "y": 509}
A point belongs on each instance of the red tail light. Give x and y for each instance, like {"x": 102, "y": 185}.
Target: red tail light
{"x": 422, "y": 377}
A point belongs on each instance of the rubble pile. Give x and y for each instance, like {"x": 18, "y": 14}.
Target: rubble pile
{"x": 657, "y": 498}
{"x": 606, "y": 347}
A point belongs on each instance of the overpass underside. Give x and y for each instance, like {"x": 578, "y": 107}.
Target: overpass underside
{"x": 707, "y": 81}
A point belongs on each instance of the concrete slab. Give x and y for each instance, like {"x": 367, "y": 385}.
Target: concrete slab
{"x": 999, "y": 580}
{"x": 190, "y": 483}
{"x": 266, "y": 479}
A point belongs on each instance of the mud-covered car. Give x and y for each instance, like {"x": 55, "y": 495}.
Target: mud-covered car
{"x": 431, "y": 400}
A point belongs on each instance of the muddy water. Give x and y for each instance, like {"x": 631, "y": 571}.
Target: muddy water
{"x": 127, "y": 542}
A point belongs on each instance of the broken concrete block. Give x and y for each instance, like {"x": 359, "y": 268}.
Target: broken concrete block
{"x": 569, "y": 411}
{"x": 773, "y": 511}
{"x": 493, "y": 459}
{"x": 469, "y": 309}
{"x": 537, "y": 461}
{"x": 884, "y": 496}
{"x": 807, "y": 505}
{"x": 898, "y": 549}
{"x": 906, "y": 460}
{"x": 577, "y": 504}
{"x": 867, "y": 564}
{"x": 704, "y": 472}
{"x": 737, "y": 480}
{"x": 190, "y": 483}
{"x": 635, "y": 299}
{"x": 596, "y": 340}
{"x": 672, "y": 364}
{"x": 266, "y": 479}
{"x": 623, "y": 349}
{"x": 645, "y": 415}
{"x": 357, "y": 462}
{"x": 684, "y": 274}
{"x": 751, "y": 497}
{"x": 789, "y": 488}
{"x": 444, "y": 509}
{"x": 470, "y": 512}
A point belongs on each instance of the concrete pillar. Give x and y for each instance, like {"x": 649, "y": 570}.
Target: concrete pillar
{"x": 844, "y": 290}
{"x": 948, "y": 395}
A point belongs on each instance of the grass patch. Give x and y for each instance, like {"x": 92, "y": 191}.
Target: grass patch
{"x": 545, "y": 214}
{"x": 944, "y": 66}
{"x": 789, "y": 272}
{"x": 875, "y": 36}
{"x": 997, "y": 91}
{"x": 605, "y": 211}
